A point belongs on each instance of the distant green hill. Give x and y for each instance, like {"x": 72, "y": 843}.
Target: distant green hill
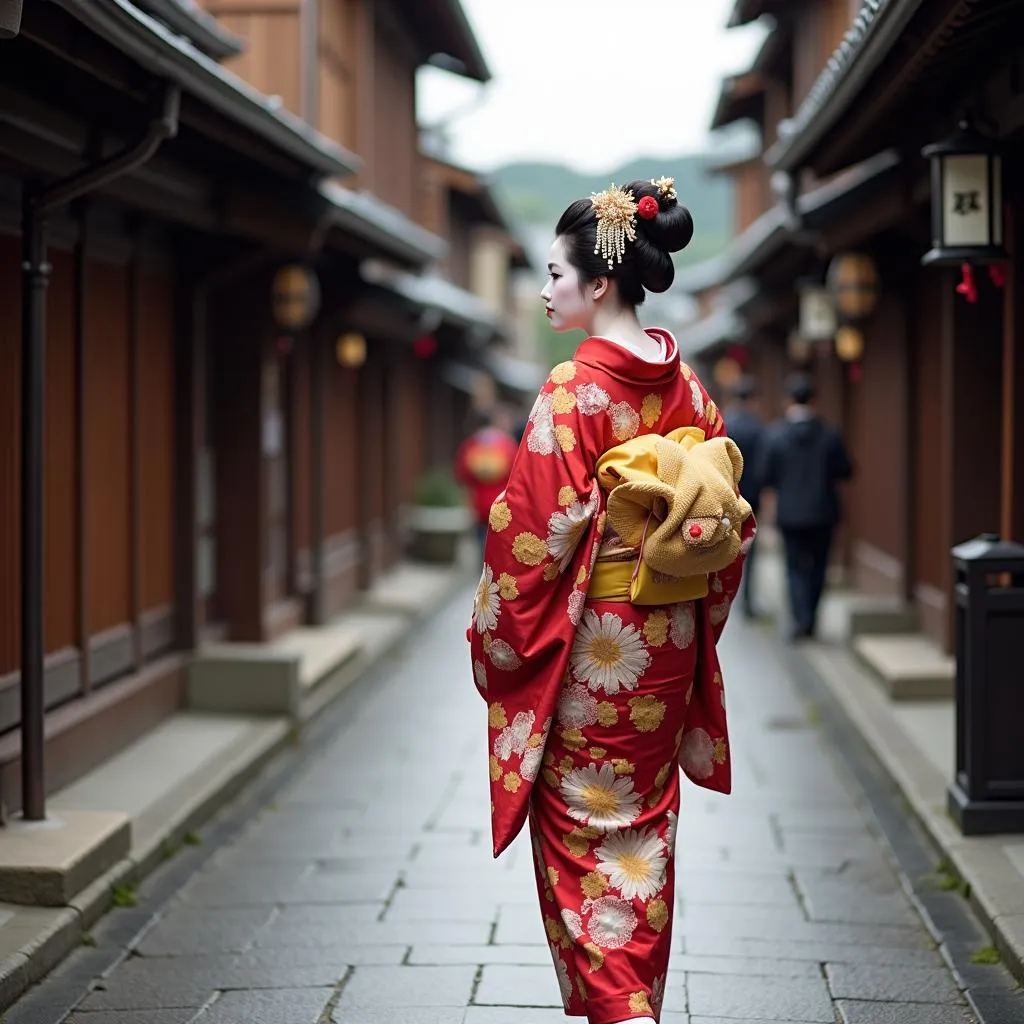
{"x": 535, "y": 194}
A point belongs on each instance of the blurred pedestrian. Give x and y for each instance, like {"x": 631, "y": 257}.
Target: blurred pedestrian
{"x": 484, "y": 461}
{"x": 609, "y": 569}
{"x": 748, "y": 431}
{"x": 805, "y": 459}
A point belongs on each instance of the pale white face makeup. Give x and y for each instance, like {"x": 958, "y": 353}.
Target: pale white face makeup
{"x": 568, "y": 307}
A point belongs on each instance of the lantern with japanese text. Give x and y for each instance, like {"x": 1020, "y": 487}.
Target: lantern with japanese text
{"x": 853, "y": 283}
{"x": 295, "y": 296}
{"x": 967, "y": 199}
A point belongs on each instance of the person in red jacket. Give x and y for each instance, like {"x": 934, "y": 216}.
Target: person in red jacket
{"x": 484, "y": 461}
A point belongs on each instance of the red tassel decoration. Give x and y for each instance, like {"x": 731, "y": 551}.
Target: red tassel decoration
{"x": 997, "y": 272}
{"x": 968, "y": 287}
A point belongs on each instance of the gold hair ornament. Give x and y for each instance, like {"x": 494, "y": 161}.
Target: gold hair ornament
{"x": 666, "y": 187}
{"x": 616, "y": 223}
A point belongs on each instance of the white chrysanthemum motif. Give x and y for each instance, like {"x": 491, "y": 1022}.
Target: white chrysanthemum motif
{"x": 599, "y": 797}
{"x": 577, "y": 707}
{"x": 592, "y": 399}
{"x": 634, "y": 861}
{"x": 671, "y": 831}
{"x": 684, "y": 627}
{"x": 564, "y": 984}
{"x": 513, "y": 738}
{"x": 577, "y": 602}
{"x": 718, "y": 613}
{"x": 697, "y": 754}
{"x": 503, "y": 657}
{"x": 625, "y": 420}
{"x": 716, "y": 583}
{"x": 573, "y": 924}
{"x": 608, "y": 654}
{"x": 697, "y": 397}
{"x": 612, "y": 922}
{"x": 532, "y": 760}
{"x": 480, "y": 674}
{"x": 486, "y": 603}
{"x": 541, "y": 438}
{"x": 747, "y": 543}
{"x": 566, "y": 529}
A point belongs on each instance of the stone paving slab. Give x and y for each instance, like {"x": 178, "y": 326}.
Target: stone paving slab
{"x": 367, "y": 893}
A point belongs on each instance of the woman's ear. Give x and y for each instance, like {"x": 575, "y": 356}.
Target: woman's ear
{"x": 600, "y": 287}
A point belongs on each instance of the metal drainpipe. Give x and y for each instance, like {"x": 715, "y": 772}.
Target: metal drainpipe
{"x": 36, "y": 207}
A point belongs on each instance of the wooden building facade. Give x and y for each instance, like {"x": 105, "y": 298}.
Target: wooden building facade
{"x": 208, "y": 473}
{"x": 931, "y": 408}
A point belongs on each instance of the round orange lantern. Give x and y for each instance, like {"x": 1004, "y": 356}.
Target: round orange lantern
{"x": 849, "y": 344}
{"x": 853, "y": 281}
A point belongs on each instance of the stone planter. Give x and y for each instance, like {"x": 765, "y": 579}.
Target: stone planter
{"x": 435, "y": 532}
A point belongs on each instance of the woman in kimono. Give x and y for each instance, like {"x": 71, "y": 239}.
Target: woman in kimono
{"x": 593, "y": 699}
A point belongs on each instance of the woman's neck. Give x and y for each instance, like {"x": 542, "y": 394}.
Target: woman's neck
{"x": 622, "y": 327}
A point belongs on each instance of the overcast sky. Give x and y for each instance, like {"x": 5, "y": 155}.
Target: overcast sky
{"x": 590, "y": 83}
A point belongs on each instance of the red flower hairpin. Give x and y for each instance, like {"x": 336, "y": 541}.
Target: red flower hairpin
{"x": 648, "y": 208}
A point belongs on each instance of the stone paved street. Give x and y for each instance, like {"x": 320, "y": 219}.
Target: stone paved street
{"x": 367, "y": 895}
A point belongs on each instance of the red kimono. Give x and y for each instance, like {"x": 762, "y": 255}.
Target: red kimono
{"x": 593, "y": 704}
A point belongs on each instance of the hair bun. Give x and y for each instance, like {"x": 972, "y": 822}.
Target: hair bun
{"x": 672, "y": 229}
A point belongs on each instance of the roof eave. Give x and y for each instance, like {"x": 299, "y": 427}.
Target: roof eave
{"x": 199, "y": 26}
{"x": 463, "y": 45}
{"x": 154, "y": 47}
{"x": 876, "y": 28}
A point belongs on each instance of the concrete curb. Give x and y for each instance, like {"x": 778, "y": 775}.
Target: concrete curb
{"x": 59, "y": 937}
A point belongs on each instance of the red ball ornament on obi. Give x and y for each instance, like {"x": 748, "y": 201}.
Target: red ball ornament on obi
{"x": 695, "y": 531}
{"x": 425, "y": 346}
{"x": 647, "y": 208}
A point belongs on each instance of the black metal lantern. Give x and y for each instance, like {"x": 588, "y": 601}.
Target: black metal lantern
{"x": 10, "y": 18}
{"x": 967, "y": 199}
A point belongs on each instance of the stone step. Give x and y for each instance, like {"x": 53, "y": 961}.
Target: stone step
{"x": 908, "y": 665}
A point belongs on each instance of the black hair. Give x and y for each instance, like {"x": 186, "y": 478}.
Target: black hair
{"x": 646, "y": 265}
{"x": 800, "y": 388}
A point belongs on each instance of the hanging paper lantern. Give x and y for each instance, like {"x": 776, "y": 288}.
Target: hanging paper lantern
{"x": 849, "y": 344}
{"x": 853, "y": 283}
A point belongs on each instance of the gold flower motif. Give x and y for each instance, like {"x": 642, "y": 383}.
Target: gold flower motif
{"x": 557, "y": 933}
{"x": 657, "y": 915}
{"x": 656, "y": 628}
{"x": 574, "y": 739}
{"x": 552, "y": 877}
{"x": 602, "y": 519}
{"x": 607, "y": 713}
{"x": 663, "y": 773}
{"x": 508, "y": 588}
{"x": 596, "y": 960}
{"x": 594, "y": 884}
{"x": 513, "y": 781}
{"x": 576, "y": 843}
{"x": 719, "y": 754}
{"x": 550, "y": 778}
{"x": 563, "y": 373}
{"x": 565, "y": 437}
{"x": 711, "y": 413}
{"x": 496, "y": 717}
{"x": 529, "y": 549}
{"x": 495, "y": 768}
{"x": 686, "y": 371}
{"x": 598, "y": 752}
{"x": 622, "y": 766}
{"x": 639, "y": 1003}
{"x": 650, "y": 409}
{"x": 567, "y": 496}
{"x": 646, "y": 713}
{"x": 566, "y": 764}
{"x": 551, "y": 571}
{"x": 500, "y": 516}
{"x": 562, "y": 401}
{"x": 535, "y": 740}
{"x": 581, "y": 576}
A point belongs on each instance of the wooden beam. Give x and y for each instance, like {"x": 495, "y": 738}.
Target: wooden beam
{"x": 135, "y": 457}
{"x": 81, "y": 436}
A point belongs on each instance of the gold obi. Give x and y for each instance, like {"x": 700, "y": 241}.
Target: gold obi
{"x": 675, "y": 500}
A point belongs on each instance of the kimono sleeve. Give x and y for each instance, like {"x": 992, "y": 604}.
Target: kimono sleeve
{"x": 541, "y": 543}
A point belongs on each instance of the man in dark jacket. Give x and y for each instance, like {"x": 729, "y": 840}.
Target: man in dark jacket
{"x": 804, "y": 460}
{"x": 747, "y": 430}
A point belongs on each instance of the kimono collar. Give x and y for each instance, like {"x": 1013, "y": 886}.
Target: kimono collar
{"x": 619, "y": 362}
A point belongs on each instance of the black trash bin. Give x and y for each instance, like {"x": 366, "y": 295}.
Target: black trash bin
{"x": 987, "y": 791}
